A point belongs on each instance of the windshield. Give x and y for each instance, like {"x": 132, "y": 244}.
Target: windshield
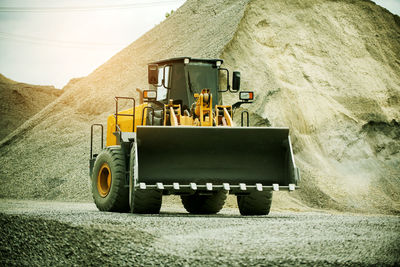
{"x": 202, "y": 76}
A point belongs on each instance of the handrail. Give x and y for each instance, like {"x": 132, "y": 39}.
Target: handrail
{"x": 91, "y": 138}
{"x": 152, "y": 118}
{"x": 247, "y": 118}
{"x": 131, "y": 115}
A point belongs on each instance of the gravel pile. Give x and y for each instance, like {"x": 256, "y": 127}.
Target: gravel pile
{"x": 20, "y": 101}
{"x": 37, "y": 242}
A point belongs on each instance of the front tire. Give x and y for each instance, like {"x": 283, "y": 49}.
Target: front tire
{"x": 109, "y": 179}
{"x": 256, "y": 203}
{"x": 146, "y": 201}
{"x": 204, "y": 204}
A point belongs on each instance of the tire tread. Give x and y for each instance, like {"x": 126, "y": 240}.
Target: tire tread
{"x": 204, "y": 204}
{"x": 117, "y": 199}
{"x": 256, "y": 203}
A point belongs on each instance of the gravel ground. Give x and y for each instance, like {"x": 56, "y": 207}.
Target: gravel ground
{"x": 61, "y": 233}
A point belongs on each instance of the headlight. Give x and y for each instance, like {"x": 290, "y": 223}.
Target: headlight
{"x": 246, "y": 96}
{"x": 149, "y": 95}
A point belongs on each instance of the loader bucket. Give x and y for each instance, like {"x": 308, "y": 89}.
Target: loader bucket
{"x": 215, "y": 155}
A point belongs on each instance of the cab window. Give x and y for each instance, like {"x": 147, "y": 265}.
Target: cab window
{"x": 162, "y": 92}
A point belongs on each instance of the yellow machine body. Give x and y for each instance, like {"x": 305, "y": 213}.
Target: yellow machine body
{"x": 228, "y": 153}
{"x": 179, "y": 142}
{"x": 125, "y": 123}
{"x": 172, "y": 117}
{"x": 203, "y": 110}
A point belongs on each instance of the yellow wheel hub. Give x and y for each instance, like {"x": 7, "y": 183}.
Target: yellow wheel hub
{"x": 104, "y": 180}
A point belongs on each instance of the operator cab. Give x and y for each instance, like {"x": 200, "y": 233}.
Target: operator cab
{"x": 180, "y": 78}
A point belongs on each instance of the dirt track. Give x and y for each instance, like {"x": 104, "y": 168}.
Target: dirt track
{"x": 62, "y": 233}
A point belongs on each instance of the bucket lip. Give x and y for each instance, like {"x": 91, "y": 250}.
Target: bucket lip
{"x": 213, "y": 127}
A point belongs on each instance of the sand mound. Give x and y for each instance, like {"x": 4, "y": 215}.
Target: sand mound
{"x": 330, "y": 71}
{"x": 20, "y": 101}
{"x": 327, "y": 69}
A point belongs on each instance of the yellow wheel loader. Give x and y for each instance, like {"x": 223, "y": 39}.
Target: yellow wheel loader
{"x": 179, "y": 138}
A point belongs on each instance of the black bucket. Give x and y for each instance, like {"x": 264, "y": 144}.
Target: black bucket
{"x": 217, "y": 155}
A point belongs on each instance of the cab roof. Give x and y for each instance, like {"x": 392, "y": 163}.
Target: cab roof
{"x": 181, "y": 59}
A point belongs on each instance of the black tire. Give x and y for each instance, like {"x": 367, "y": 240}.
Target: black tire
{"x": 256, "y": 203}
{"x": 109, "y": 189}
{"x": 146, "y": 201}
{"x": 204, "y": 204}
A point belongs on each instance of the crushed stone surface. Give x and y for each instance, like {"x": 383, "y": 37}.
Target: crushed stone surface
{"x": 63, "y": 233}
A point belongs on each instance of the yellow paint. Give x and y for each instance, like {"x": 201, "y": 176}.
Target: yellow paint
{"x": 172, "y": 113}
{"x": 204, "y": 108}
{"x": 226, "y": 118}
{"x": 124, "y": 123}
{"x": 186, "y": 121}
{"x": 104, "y": 180}
{"x": 203, "y": 112}
{"x": 172, "y": 117}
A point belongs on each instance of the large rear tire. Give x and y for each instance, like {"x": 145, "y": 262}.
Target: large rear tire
{"x": 204, "y": 204}
{"x": 146, "y": 201}
{"x": 108, "y": 181}
{"x": 256, "y": 203}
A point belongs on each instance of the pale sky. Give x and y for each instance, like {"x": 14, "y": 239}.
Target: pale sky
{"x": 391, "y": 5}
{"x": 49, "y": 42}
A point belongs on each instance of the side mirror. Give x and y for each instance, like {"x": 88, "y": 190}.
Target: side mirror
{"x": 228, "y": 86}
{"x": 236, "y": 81}
{"x": 153, "y": 74}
